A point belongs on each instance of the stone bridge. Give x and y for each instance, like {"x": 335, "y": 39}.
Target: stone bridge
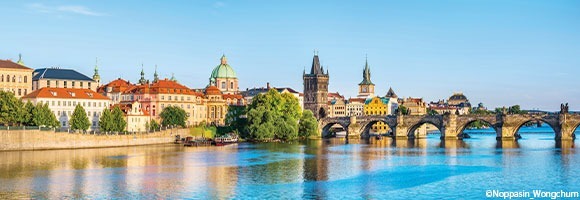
{"x": 451, "y": 125}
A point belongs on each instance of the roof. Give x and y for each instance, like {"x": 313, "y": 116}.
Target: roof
{"x": 384, "y": 100}
{"x": 8, "y": 64}
{"x": 335, "y": 95}
{"x": 118, "y": 85}
{"x": 359, "y": 100}
{"x": 223, "y": 70}
{"x": 56, "y": 73}
{"x": 161, "y": 87}
{"x": 366, "y": 75}
{"x": 232, "y": 96}
{"x": 212, "y": 90}
{"x": 458, "y": 96}
{"x": 391, "y": 93}
{"x": 65, "y": 93}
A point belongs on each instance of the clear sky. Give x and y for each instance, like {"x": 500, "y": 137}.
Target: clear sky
{"x": 497, "y": 52}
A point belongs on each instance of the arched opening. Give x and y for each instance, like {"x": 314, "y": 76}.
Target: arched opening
{"x": 321, "y": 113}
{"x": 334, "y": 130}
{"x": 376, "y": 128}
{"x": 536, "y": 129}
{"x": 423, "y": 130}
{"x": 476, "y": 127}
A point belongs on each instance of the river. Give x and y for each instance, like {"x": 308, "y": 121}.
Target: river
{"x": 315, "y": 169}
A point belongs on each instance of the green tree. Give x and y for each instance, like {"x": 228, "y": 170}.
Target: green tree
{"x": 403, "y": 110}
{"x": 273, "y": 115}
{"x": 79, "y": 119}
{"x": 119, "y": 123}
{"x": 237, "y": 120}
{"x": 43, "y": 116}
{"x": 10, "y": 109}
{"x": 173, "y": 115}
{"x": 27, "y": 114}
{"x": 106, "y": 123}
{"x": 431, "y": 112}
{"x": 308, "y": 126}
{"x": 153, "y": 125}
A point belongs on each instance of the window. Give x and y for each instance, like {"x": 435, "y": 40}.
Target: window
{"x": 14, "y": 79}
{"x": 19, "y": 92}
{"x": 63, "y": 123}
{"x": 232, "y": 85}
{"x": 20, "y": 79}
{"x": 89, "y": 83}
{"x": 56, "y": 83}
{"x": 64, "y": 84}
{"x": 2, "y": 78}
{"x": 81, "y": 84}
{"x": 162, "y": 97}
{"x": 223, "y": 85}
{"x": 73, "y": 84}
{"x": 94, "y": 123}
{"x": 47, "y": 83}
{"x": 169, "y": 98}
{"x": 7, "y": 78}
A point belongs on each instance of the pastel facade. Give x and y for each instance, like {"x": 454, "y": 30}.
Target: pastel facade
{"x": 15, "y": 77}
{"x": 61, "y": 78}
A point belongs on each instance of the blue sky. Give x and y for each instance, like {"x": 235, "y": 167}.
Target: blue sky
{"x": 495, "y": 52}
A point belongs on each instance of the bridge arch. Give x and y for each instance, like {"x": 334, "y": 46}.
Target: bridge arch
{"x": 461, "y": 127}
{"x": 551, "y": 121}
{"x": 366, "y": 126}
{"x": 435, "y": 120}
{"x": 325, "y": 125}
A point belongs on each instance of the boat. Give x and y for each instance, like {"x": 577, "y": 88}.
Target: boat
{"x": 225, "y": 139}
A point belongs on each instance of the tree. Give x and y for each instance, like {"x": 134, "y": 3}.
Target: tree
{"x": 308, "y": 126}
{"x": 106, "y": 123}
{"x": 237, "y": 120}
{"x": 431, "y": 112}
{"x": 403, "y": 110}
{"x": 119, "y": 123}
{"x": 27, "y": 114}
{"x": 10, "y": 109}
{"x": 173, "y": 115}
{"x": 43, "y": 116}
{"x": 153, "y": 125}
{"x": 272, "y": 115}
{"x": 79, "y": 119}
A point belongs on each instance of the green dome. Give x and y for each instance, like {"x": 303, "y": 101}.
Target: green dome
{"x": 223, "y": 70}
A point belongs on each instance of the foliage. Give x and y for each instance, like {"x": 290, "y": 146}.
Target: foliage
{"x": 106, "y": 122}
{"x": 10, "y": 109}
{"x": 173, "y": 115}
{"x": 515, "y": 109}
{"x": 403, "y": 110}
{"x": 153, "y": 125}
{"x": 480, "y": 111}
{"x": 273, "y": 116}
{"x": 43, "y": 116}
{"x": 119, "y": 122}
{"x": 27, "y": 114}
{"x": 432, "y": 112}
{"x": 308, "y": 126}
{"x": 203, "y": 131}
{"x": 79, "y": 119}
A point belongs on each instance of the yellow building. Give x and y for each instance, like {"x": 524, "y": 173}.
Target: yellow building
{"x": 378, "y": 106}
{"x": 15, "y": 77}
{"x": 216, "y": 106}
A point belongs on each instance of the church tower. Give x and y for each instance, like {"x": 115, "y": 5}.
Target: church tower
{"x": 96, "y": 76}
{"x": 316, "y": 89}
{"x": 366, "y": 88}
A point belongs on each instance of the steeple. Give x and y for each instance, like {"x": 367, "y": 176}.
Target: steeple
{"x": 142, "y": 80}
{"x": 224, "y": 60}
{"x": 155, "y": 76}
{"x": 366, "y": 74}
{"x": 96, "y": 76}
{"x": 316, "y": 68}
{"x": 20, "y": 62}
{"x": 173, "y": 77}
{"x": 391, "y": 93}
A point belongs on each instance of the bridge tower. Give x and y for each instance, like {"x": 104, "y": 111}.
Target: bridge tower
{"x": 316, "y": 89}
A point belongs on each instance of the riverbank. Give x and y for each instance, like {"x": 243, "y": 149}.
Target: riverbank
{"x": 18, "y": 140}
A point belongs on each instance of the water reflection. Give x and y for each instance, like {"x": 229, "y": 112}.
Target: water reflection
{"x": 314, "y": 169}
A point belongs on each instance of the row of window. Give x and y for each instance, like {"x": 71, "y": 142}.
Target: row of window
{"x": 69, "y": 113}
{"x": 66, "y": 85}
{"x": 16, "y": 91}
{"x": 13, "y": 78}
{"x": 74, "y": 103}
{"x": 95, "y": 123}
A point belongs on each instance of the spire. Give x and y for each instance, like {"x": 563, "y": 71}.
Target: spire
{"x": 316, "y": 68}
{"x": 391, "y": 93}
{"x": 20, "y": 62}
{"x": 96, "y": 76}
{"x": 366, "y": 74}
{"x": 224, "y": 60}
{"x": 142, "y": 80}
{"x": 155, "y": 75}
{"x": 173, "y": 77}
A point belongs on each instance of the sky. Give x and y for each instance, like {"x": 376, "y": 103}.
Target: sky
{"x": 497, "y": 52}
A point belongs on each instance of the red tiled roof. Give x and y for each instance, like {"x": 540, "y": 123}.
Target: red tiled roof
{"x": 65, "y": 93}
{"x": 232, "y": 96}
{"x": 212, "y": 90}
{"x": 161, "y": 87}
{"x": 11, "y": 65}
{"x": 335, "y": 95}
{"x": 360, "y": 100}
{"x": 118, "y": 85}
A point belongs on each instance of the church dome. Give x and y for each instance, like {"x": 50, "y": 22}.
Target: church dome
{"x": 223, "y": 70}
{"x": 458, "y": 96}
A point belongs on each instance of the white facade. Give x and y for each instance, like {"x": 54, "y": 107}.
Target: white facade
{"x": 63, "y": 108}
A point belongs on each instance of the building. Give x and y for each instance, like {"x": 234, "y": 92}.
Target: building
{"x": 15, "y": 77}
{"x": 366, "y": 88}
{"x": 114, "y": 89}
{"x": 216, "y": 106}
{"x": 393, "y": 99}
{"x": 62, "y": 102}
{"x": 336, "y": 105}
{"x": 224, "y": 77}
{"x": 61, "y": 78}
{"x": 378, "y": 106}
{"x": 136, "y": 117}
{"x": 355, "y": 107}
{"x": 416, "y": 106}
{"x": 457, "y": 103}
{"x": 316, "y": 89}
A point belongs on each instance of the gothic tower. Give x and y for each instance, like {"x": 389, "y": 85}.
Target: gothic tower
{"x": 316, "y": 89}
{"x": 366, "y": 88}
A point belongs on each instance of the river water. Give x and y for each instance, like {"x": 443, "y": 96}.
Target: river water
{"x": 316, "y": 169}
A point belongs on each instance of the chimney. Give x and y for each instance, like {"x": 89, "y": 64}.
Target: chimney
{"x": 268, "y": 85}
